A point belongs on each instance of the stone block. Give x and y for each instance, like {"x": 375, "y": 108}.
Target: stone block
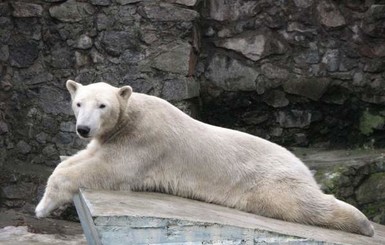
{"x": 275, "y": 98}
{"x": 96, "y": 57}
{"x": 3, "y": 128}
{"x": 84, "y": 42}
{"x": 264, "y": 84}
{"x": 23, "y": 147}
{"x": 41, "y": 137}
{"x": 104, "y": 22}
{"x": 274, "y": 72}
{"x": 174, "y": 59}
{"x": 372, "y": 189}
{"x": 62, "y": 58}
{"x": 101, "y": 2}
{"x": 253, "y": 45}
{"x": 165, "y": 12}
{"x": 331, "y": 59}
{"x": 307, "y": 57}
{"x": 378, "y": 50}
{"x": 294, "y": 119}
{"x": 30, "y": 27}
{"x": 375, "y": 65}
{"x": 254, "y": 117}
{"x": 50, "y": 151}
{"x": 6, "y": 26}
{"x": 180, "y": 88}
{"x": 276, "y": 132}
{"x": 81, "y": 59}
{"x": 22, "y": 9}
{"x": 373, "y": 98}
{"x": 222, "y": 10}
{"x": 141, "y": 84}
{"x": 63, "y": 138}
{"x": 71, "y": 11}
{"x": 127, "y": 15}
{"x": 23, "y": 53}
{"x": 18, "y": 191}
{"x": 125, "y": 2}
{"x": 303, "y": 3}
{"x": 4, "y": 53}
{"x": 5, "y": 9}
{"x": 377, "y": 11}
{"x": 230, "y": 74}
{"x": 134, "y": 57}
{"x": 329, "y": 14}
{"x": 67, "y": 126}
{"x": 55, "y": 101}
{"x": 118, "y": 217}
{"x": 312, "y": 88}
{"x": 115, "y": 42}
{"x": 189, "y": 3}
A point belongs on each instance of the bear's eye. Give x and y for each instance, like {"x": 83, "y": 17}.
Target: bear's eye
{"x": 102, "y": 106}
{"x": 78, "y": 104}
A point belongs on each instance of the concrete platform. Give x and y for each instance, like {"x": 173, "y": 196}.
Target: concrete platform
{"x": 115, "y": 217}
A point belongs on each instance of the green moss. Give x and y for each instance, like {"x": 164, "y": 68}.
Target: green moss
{"x": 377, "y": 177}
{"x": 373, "y": 209}
{"x": 331, "y": 179}
{"x": 369, "y": 121}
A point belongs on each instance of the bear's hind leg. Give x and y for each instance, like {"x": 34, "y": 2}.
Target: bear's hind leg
{"x": 306, "y": 204}
{"x": 347, "y": 217}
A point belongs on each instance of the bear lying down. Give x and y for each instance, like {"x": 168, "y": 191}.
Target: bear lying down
{"x": 143, "y": 143}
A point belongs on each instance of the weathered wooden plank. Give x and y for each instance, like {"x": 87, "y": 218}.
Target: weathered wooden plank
{"x": 154, "y": 218}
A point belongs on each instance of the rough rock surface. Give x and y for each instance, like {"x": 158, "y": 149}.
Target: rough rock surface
{"x": 308, "y": 56}
{"x": 231, "y": 75}
{"x": 329, "y": 14}
{"x": 26, "y": 9}
{"x": 253, "y": 46}
{"x": 71, "y": 11}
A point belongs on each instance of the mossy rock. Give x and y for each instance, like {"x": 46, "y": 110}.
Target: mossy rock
{"x": 375, "y": 211}
{"x": 368, "y": 122}
{"x": 331, "y": 179}
{"x": 372, "y": 189}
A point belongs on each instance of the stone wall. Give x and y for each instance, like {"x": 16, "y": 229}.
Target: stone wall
{"x": 146, "y": 44}
{"x": 297, "y": 72}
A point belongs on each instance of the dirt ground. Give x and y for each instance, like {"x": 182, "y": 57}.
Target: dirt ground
{"x": 18, "y": 227}
{"x": 12, "y": 217}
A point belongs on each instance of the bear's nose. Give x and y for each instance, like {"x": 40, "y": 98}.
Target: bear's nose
{"x": 83, "y": 130}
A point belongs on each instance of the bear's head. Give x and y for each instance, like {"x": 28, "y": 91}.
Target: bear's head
{"x": 97, "y": 107}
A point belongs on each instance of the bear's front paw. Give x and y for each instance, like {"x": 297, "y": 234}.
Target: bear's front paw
{"x": 40, "y": 211}
{"x": 44, "y": 208}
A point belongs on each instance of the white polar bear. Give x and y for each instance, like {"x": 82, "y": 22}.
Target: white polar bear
{"x": 143, "y": 143}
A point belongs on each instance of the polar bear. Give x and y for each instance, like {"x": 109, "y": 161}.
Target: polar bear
{"x": 143, "y": 143}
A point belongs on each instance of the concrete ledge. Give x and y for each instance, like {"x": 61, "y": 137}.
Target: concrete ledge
{"x": 117, "y": 217}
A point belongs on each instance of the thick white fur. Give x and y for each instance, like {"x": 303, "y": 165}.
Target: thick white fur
{"x": 143, "y": 143}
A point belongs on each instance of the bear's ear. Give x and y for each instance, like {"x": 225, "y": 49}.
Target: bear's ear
{"x": 72, "y": 86}
{"x": 125, "y": 92}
